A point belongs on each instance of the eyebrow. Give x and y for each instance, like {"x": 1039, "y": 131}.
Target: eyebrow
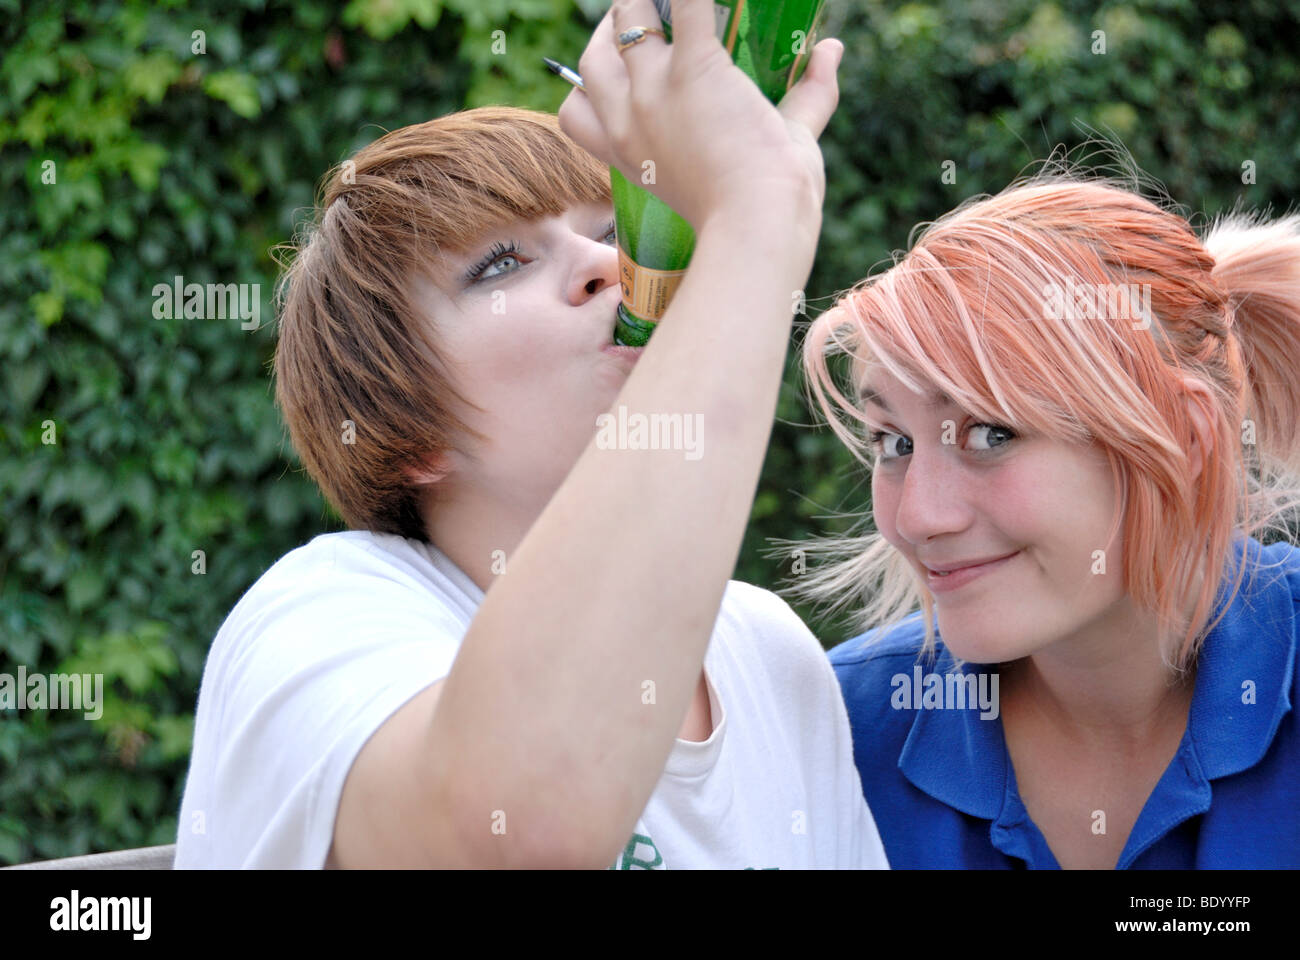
{"x": 869, "y": 395}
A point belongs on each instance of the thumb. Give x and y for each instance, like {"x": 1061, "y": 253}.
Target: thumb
{"x": 813, "y": 99}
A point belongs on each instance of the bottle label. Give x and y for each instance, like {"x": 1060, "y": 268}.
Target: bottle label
{"x": 646, "y": 292}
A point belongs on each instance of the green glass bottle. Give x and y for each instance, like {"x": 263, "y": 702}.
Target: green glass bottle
{"x": 768, "y": 39}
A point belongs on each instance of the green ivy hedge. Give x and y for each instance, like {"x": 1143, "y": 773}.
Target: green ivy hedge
{"x": 145, "y": 141}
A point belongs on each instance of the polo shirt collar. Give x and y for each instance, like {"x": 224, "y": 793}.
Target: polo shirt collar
{"x": 953, "y": 755}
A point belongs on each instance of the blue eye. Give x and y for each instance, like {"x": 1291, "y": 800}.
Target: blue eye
{"x": 503, "y": 252}
{"x": 498, "y": 252}
{"x": 879, "y": 443}
{"x": 989, "y": 437}
{"x": 991, "y": 431}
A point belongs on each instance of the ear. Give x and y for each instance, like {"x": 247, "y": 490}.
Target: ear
{"x": 435, "y": 468}
{"x": 1200, "y": 403}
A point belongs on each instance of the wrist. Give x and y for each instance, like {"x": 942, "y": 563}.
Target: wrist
{"x": 759, "y": 253}
{"x": 770, "y": 221}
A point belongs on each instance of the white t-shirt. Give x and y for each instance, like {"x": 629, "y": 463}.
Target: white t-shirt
{"x": 336, "y": 636}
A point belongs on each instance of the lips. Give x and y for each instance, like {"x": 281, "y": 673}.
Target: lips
{"x": 945, "y": 568}
{"x": 952, "y": 576}
{"x": 630, "y": 353}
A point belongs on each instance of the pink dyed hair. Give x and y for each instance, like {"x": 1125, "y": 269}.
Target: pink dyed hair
{"x": 962, "y": 312}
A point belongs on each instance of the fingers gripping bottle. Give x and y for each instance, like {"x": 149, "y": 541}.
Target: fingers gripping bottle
{"x": 770, "y": 40}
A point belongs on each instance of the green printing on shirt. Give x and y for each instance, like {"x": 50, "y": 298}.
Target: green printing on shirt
{"x": 630, "y": 861}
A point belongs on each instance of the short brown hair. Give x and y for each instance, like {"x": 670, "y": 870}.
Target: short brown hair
{"x": 353, "y": 346}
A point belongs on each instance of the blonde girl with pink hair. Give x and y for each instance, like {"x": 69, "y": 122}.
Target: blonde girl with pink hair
{"x": 1082, "y": 424}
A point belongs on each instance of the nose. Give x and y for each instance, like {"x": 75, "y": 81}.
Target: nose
{"x": 931, "y": 502}
{"x": 596, "y": 270}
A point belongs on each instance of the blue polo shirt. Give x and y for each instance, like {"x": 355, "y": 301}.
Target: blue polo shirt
{"x": 942, "y": 789}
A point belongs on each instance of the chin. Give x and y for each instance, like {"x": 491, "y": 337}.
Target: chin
{"x": 990, "y": 638}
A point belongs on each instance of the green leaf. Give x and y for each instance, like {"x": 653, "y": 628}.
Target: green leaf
{"x": 100, "y": 513}
{"x": 175, "y": 735}
{"x": 26, "y": 381}
{"x": 84, "y": 587}
{"x": 28, "y": 69}
{"x": 383, "y": 19}
{"x": 144, "y": 162}
{"x": 47, "y": 307}
{"x": 236, "y": 89}
{"x": 150, "y": 76}
{"x": 138, "y": 493}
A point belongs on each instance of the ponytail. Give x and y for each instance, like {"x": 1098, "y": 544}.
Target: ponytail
{"x": 1257, "y": 263}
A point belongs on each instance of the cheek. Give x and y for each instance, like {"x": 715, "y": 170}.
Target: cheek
{"x": 503, "y": 358}
{"x": 515, "y": 351}
{"x": 1072, "y": 494}
{"x": 884, "y": 505}
{"x": 1061, "y": 506}
{"x": 1021, "y": 500}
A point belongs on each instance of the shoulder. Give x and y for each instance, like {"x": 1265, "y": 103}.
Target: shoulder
{"x": 883, "y": 647}
{"x": 343, "y": 591}
{"x": 352, "y": 554}
{"x": 1275, "y": 603}
{"x": 1281, "y": 558}
{"x": 752, "y": 603}
{"x": 761, "y": 645}
{"x": 357, "y": 621}
{"x": 766, "y": 619}
{"x": 334, "y": 568}
{"x": 1265, "y": 597}
{"x": 868, "y": 667}
{"x": 320, "y": 651}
